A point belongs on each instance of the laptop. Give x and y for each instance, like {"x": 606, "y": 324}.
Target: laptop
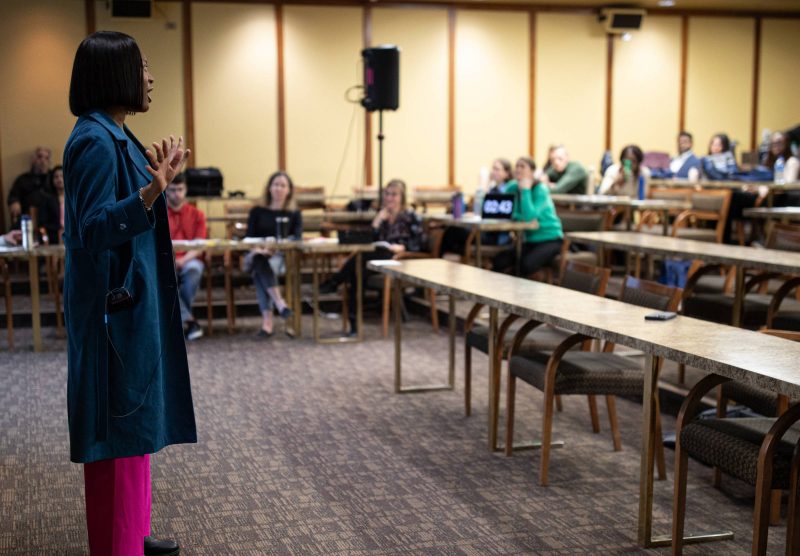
{"x": 355, "y": 236}
{"x": 498, "y": 206}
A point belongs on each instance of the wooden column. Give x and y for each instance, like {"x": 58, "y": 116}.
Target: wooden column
{"x": 281, "y": 87}
{"x": 188, "y": 80}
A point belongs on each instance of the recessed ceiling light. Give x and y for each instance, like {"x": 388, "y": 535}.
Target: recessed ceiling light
{"x": 666, "y": 3}
{"x": 626, "y": 37}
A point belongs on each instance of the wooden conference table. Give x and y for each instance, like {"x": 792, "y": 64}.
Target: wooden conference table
{"x": 771, "y": 187}
{"x": 770, "y": 260}
{"x": 756, "y": 359}
{"x": 293, "y": 250}
{"x": 662, "y": 206}
{"x": 481, "y": 225}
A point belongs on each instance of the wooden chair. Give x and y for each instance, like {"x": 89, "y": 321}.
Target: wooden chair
{"x": 9, "y": 302}
{"x": 232, "y": 261}
{"x": 308, "y": 197}
{"x": 567, "y": 372}
{"x": 708, "y": 206}
{"x": 575, "y": 276}
{"x": 581, "y": 221}
{"x": 764, "y": 452}
{"x": 427, "y": 196}
{"x": 717, "y": 306}
{"x": 384, "y": 282}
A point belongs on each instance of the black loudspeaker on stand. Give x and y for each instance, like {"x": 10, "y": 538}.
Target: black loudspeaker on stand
{"x": 381, "y": 91}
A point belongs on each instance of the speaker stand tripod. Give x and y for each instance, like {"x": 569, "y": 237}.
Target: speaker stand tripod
{"x": 380, "y": 158}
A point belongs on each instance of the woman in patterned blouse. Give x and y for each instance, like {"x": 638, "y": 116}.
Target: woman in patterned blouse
{"x": 397, "y": 227}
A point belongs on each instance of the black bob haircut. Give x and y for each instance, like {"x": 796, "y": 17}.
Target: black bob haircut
{"x": 107, "y": 72}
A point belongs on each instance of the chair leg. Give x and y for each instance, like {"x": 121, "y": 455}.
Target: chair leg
{"x": 792, "y": 517}
{"x": 661, "y": 464}
{"x": 775, "y": 507}
{"x": 722, "y": 411}
{"x": 434, "y": 312}
{"x": 593, "y": 413}
{"x": 510, "y": 399}
{"x": 762, "y": 509}
{"x": 229, "y": 303}
{"x": 467, "y": 379}
{"x": 9, "y": 306}
{"x": 681, "y": 373}
{"x": 547, "y": 430}
{"x": 611, "y": 405}
{"x": 209, "y": 305}
{"x": 559, "y": 405}
{"x": 679, "y": 497}
{"x": 387, "y": 304}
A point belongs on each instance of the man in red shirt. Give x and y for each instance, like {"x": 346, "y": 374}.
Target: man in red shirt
{"x": 186, "y": 222}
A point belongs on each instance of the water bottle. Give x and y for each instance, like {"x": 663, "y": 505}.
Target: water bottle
{"x": 641, "y": 192}
{"x": 458, "y": 205}
{"x": 26, "y": 225}
{"x": 627, "y": 169}
{"x": 778, "y": 170}
{"x": 477, "y": 201}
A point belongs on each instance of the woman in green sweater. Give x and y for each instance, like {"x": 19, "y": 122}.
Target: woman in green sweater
{"x": 532, "y": 202}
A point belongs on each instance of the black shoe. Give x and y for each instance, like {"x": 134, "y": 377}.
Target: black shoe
{"x": 194, "y": 331}
{"x": 159, "y": 547}
{"x": 264, "y": 334}
{"x": 285, "y": 313}
{"x": 328, "y": 286}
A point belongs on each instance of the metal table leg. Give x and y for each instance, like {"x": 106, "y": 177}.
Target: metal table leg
{"x": 36, "y": 320}
{"x": 397, "y": 298}
{"x": 646, "y": 538}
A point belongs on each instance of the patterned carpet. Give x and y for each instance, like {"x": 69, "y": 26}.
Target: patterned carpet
{"x": 305, "y": 449}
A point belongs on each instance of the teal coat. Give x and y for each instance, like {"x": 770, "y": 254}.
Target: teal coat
{"x": 128, "y": 390}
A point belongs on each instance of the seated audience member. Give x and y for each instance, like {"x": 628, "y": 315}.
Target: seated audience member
{"x": 533, "y": 203}
{"x": 791, "y": 172}
{"x": 686, "y": 165}
{"x": 623, "y": 177}
{"x": 454, "y": 239}
{"x": 30, "y": 189}
{"x": 400, "y": 227}
{"x": 186, "y": 222}
{"x": 779, "y": 148}
{"x": 265, "y": 264}
{"x": 51, "y": 207}
{"x": 564, "y": 175}
{"x": 500, "y": 175}
{"x": 720, "y": 163}
{"x": 11, "y": 239}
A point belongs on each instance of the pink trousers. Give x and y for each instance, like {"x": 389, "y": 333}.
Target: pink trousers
{"x": 117, "y": 505}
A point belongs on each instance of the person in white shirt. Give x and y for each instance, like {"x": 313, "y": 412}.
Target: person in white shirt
{"x": 686, "y": 165}
{"x": 623, "y": 178}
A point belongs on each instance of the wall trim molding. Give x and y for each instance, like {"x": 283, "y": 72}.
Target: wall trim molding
{"x": 91, "y": 20}
{"x": 521, "y": 7}
{"x": 756, "y": 84}
{"x": 609, "y": 87}
{"x": 684, "y": 59}
{"x": 368, "y": 178}
{"x": 281, "y": 85}
{"x": 451, "y": 96}
{"x": 188, "y": 79}
{"x": 532, "y": 85}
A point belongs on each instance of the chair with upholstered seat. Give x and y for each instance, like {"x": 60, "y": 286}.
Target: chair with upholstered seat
{"x": 575, "y": 276}
{"x": 758, "y": 308}
{"x": 567, "y": 372}
{"x": 762, "y": 452}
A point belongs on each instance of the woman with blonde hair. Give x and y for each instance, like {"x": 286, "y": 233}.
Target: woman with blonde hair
{"x": 397, "y": 226}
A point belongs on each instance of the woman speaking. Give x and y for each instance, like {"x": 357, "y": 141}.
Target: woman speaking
{"x": 128, "y": 377}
